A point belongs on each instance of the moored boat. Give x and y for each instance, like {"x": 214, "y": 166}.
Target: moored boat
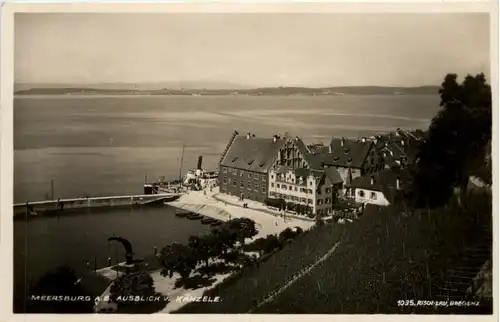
{"x": 181, "y": 214}
{"x": 216, "y": 223}
{"x": 194, "y": 216}
{"x": 208, "y": 220}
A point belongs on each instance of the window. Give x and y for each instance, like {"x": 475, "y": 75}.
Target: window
{"x": 328, "y": 200}
{"x": 250, "y": 175}
{"x": 328, "y": 190}
{"x": 309, "y": 201}
{"x": 320, "y": 201}
{"x": 283, "y": 186}
{"x": 263, "y": 177}
{"x": 234, "y": 182}
{"x": 235, "y": 172}
{"x": 361, "y": 193}
{"x": 277, "y": 185}
{"x": 290, "y": 188}
{"x": 242, "y": 173}
{"x": 224, "y": 180}
{"x": 296, "y": 189}
{"x": 272, "y": 194}
{"x": 272, "y": 176}
{"x": 224, "y": 170}
{"x": 256, "y": 186}
{"x": 373, "y": 196}
{"x": 309, "y": 191}
{"x": 272, "y": 185}
{"x": 263, "y": 189}
{"x": 303, "y": 200}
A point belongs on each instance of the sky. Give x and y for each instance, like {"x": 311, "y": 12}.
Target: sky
{"x": 262, "y": 49}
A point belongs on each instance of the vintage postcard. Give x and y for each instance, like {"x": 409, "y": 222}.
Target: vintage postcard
{"x": 249, "y": 159}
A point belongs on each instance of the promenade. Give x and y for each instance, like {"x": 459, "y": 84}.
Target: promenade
{"x": 224, "y": 207}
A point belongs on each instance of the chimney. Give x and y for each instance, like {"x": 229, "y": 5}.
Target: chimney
{"x": 248, "y": 135}
{"x": 363, "y": 139}
{"x": 342, "y": 141}
{"x": 200, "y": 160}
{"x": 296, "y": 138}
{"x": 275, "y": 138}
{"x": 372, "y": 180}
{"x": 398, "y": 183}
{"x": 402, "y": 142}
{"x": 329, "y": 148}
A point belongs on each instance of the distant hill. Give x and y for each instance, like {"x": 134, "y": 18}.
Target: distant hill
{"x": 176, "y": 85}
{"x": 153, "y": 89}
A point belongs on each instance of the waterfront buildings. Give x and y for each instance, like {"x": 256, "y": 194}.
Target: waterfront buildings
{"x": 315, "y": 188}
{"x": 245, "y": 164}
{"x": 317, "y": 175}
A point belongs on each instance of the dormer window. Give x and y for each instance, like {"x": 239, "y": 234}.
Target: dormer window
{"x": 234, "y": 159}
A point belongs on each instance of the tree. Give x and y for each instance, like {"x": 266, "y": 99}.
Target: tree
{"x": 177, "y": 258}
{"x": 243, "y": 227}
{"x": 131, "y": 285}
{"x": 457, "y": 141}
{"x": 61, "y": 281}
{"x": 225, "y": 237}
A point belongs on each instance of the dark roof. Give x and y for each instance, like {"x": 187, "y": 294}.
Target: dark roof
{"x": 384, "y": 181}
{"x": 348, "y": 153}
{"x": 252, "y": 154}
{"x": 317, "y": 160}
{"x": 333, "y": 175}
{"x": 301, "y": 146}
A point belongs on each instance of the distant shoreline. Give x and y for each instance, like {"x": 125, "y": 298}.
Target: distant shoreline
{"x": 272, "y": 91}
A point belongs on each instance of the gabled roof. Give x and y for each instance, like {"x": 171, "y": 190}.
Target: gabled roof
{"x": 383, "y": 181}
{"x": 301, "y": 146}
{"x": 252, "y": 153}
{"x": 348, "y": 153}
{"x": 333, "y": 175}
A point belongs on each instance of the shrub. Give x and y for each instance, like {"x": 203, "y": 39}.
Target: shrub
{"x": 275, "y": 202}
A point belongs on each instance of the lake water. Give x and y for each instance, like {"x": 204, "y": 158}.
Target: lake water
{"x": 99, "y": 146}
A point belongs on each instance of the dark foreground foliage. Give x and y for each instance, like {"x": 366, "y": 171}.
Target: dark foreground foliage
{"x": 61, "y": 281}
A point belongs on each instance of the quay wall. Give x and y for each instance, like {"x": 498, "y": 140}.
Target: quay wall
{"x": 39, "y": 207}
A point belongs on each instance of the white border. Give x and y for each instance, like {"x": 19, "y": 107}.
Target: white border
{"x": 356, "y": 6}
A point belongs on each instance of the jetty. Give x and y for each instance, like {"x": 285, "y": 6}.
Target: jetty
{"x": 39, "y": 207}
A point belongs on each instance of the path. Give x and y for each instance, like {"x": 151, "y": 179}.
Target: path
{"x": 271, "y": 296}
{"x": 214, "y": 206}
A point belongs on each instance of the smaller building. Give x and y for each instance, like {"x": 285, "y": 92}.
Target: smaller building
{"x": 380, "y": 188}
{"x": 317, "y": 189}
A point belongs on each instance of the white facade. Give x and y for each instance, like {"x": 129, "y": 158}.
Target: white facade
{"x": 370, "y": 197}
{"x": 301, "y": 190}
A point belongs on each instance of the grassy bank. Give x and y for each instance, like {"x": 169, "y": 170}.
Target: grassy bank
{"x": 384, "y": 257}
